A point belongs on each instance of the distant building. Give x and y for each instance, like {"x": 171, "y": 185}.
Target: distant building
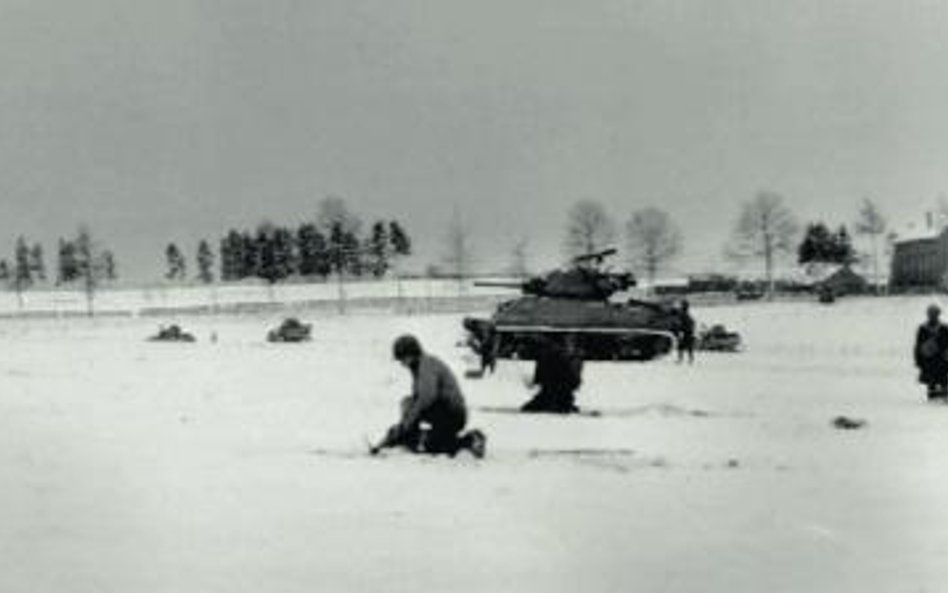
{"x": 844, "y": 281}
{"x": 920, "y": 263}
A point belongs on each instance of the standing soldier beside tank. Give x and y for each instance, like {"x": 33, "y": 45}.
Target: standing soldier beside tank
{"x": 685, "y": 333}
{"x": 931, "y": 355}
{"x": 558, "y": 374}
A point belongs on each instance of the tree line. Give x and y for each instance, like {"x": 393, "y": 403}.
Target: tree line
{"x": 80, "y": 261}
{"x": 765, "y": 230}
{"x": 332, "y": 245}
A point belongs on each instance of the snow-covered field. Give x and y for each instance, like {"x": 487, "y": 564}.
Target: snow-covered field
{"x": 71, "y": 300}
{"x": 237, "y": 466}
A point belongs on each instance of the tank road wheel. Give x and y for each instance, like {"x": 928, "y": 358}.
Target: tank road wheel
{"x": 644, "y": 348}
{"x": 623, "y": 348}
{"x": 660, "y": 346}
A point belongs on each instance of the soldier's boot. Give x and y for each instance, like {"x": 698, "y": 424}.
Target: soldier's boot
{"x": 475, "y": 441}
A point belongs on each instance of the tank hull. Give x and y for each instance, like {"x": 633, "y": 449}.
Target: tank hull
{"x": 599, "y": 330}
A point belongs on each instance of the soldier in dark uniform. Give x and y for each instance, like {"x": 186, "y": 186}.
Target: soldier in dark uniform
{"x": 558, "y": 374}
{"x": 931, "y": 355}
{"x": 489, "y": 349}
{"x": 434, "y": 415}
{"x": 686, "y": 333}
{"x": 483, "y": 339}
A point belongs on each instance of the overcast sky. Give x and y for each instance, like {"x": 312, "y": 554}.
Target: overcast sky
{"x": 172, "y": 120}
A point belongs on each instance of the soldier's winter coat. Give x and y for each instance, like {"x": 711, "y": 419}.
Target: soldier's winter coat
{"x": 434, "y": 388}
{"x": 931, "y": 354}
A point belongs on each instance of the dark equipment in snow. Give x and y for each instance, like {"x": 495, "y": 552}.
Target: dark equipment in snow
{"x": 749, "y": 291}
{"x": 826, "y": 295}
{"x": 718, "y": 338}
{"x": 847, "y": 423}
{"x": 291, "y": 330}
{"x": 172, "y": 333}
{"x": 575, "y": 303}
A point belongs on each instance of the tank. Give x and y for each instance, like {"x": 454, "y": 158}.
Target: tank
{"x": 718, "y": 338}
{"x": 576, "y": 303}
{"x": 291, "y": 330}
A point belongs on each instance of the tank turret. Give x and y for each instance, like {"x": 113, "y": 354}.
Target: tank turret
{"x": 584, "y": 280}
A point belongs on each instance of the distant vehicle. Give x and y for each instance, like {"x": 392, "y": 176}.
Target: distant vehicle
{"x": 749, "y": 292}
{"x": 291, "y": 330}
{"x": 711, "y": 283}
{"x": 172, "y": 333}
{"x": 575, "y": 303}
{"x": 717, "y": 338}
{"x": 826, "y": 294}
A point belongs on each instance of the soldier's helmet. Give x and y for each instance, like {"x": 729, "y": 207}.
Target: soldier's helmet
{"x": 406, "y": 346}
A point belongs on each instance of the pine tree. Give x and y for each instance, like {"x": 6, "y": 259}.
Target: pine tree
{"x": 312, "y": 251}
{"x": 401, "y": 247}
{"x": 284, "y": 253}
{"x": 844, "y": 252}
{"x": 37, "y": 263}
{"x": 336, "y": 248}
{"x": 226, "y": 259}
{"x": 820, "y": 245}
{"x": 377, "y": 250}
{"x": 4, "y": 270}
{"x": 401, "y": 243}
{"x": 232, "y": 258}
{"x": 267, "y": 267}
{"x": 249, "y": 255}
{"x": 205, "y": 262}
{"x": 177, "y": 265}
{"x": 68, "y": 264}
{"x": 22, "y": 274}
{"x": 352, "y": 253}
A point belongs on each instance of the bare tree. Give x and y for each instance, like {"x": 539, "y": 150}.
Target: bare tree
{"x": 653, "y": 240}
{"x": 333, "y": 211}
{"x": 872, "y": 224}
{"x": 93, "y": 266}
{"x": 22, "y": 271}
{"x": 519, "y": 267}
{"x": 588, "y": 228}
{"x": 939, "y": 218}
{"x": 341, "y": 227}
{"x": 458, "y": 250}
{"x": 765, "y": 229}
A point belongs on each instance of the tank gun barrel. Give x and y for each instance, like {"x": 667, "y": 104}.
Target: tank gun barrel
{"x": 648, "y": 305}
{"x": 498, "y": 284}
{"x": 595, "y": 256}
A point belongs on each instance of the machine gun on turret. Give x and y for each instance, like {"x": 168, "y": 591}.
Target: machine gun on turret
{"x": 596, "y": 257}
